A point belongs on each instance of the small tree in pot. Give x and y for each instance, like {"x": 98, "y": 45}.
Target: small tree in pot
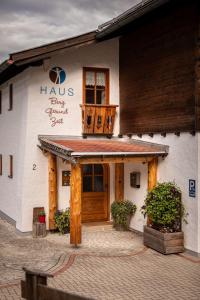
{"x": 165, "y": 211}
{"x": 62, "y": 220}
{"x": 41, "y": 216}
{"x": 121, "y": 214}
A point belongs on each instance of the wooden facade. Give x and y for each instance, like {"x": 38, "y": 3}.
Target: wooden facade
{"x": 159, "y": 71}
{"x": 95, "y": 193}
{"x": 119, "y": 182}
{"x": 197, "y": 78}
{"x": 152, "y": 173}
{"x": 75, "y": 205}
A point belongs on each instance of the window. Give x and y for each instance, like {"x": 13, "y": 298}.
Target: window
{"x": 93, "y": 179}
{"x": 95, "y": 86}
{"x": 10, "y": 97}
{"x": 0, "y": 102}
{"x": 11, "y": 166}
{"x": 1, "y": 164}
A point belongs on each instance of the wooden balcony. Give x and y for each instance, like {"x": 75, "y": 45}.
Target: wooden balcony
{"x": 98, "y": 119}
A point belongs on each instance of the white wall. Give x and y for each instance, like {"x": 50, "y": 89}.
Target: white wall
{"x": 105, "y": 55}
{"x": 136, "y": 195}
{"x": 180, "y": 165}
{"x": 63, "y": 191}
{"x": 12, "y": 142}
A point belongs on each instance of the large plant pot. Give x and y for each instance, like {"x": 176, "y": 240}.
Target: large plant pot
{"x": 165, "y": 243}
{"x": 120, "y": 227}
{"x": 41, "y": 219}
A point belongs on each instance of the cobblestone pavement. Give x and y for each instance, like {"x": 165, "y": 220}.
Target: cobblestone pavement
{"x": 109, "y": 265}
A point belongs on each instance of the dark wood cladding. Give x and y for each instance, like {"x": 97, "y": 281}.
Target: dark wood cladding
{"x": 197, "y": 78}
{"x": 157, "y": 71}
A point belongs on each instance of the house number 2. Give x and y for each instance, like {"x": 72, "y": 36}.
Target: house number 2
{"x": 34, "y": 167}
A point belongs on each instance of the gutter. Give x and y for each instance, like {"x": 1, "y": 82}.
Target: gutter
{"x": 5, "y": 65}
{"x": 118, "y": 153}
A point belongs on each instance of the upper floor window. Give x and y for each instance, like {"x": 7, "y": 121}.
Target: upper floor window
{"x": 11, "y": 166}
{"x": 1, "y": 164}
{"x": 10, "y": 97}
{"x": 95, "y": 86}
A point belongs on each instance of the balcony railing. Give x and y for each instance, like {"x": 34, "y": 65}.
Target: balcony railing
{"x": 98, "y": 119}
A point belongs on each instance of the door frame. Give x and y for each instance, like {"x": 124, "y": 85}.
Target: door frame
{"x": 107, "y": 172}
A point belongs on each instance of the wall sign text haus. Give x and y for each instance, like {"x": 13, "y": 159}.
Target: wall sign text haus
{"x": 54, "y": 91}
{"x": 56, "y": 109}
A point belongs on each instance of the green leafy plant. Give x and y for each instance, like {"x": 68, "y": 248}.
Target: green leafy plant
{"x": 42, "y": 213}
{"x": 164, "y": 207}
{"x": 62, "y": 220}
{"x": 121, "y": 212}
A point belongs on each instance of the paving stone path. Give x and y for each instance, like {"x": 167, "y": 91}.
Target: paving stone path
{"x": 109, "y": 265}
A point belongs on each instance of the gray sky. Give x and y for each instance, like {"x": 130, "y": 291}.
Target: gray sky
{"x": 29, "y": 23}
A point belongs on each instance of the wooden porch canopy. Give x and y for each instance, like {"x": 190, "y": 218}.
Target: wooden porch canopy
{"x": 77, "y": 151}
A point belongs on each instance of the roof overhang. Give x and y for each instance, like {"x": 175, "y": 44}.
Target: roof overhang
{"x": 19, "y": 61}
{"x": 66, "y": 148}
{"x": 134, "y": 13}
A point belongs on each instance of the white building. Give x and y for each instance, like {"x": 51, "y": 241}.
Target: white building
{"x": 66, "y": 97}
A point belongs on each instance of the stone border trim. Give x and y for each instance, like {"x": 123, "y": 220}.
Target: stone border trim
{"x": 8, "y": 219}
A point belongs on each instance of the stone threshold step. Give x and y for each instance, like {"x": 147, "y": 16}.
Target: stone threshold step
{"x": 97, "y": 226}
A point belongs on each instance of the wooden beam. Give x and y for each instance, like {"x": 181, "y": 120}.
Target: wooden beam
{"x": 152, "y": 173}
{"x": 152, "y": 177}
{"x": 119, "y": 182}
{"x": 106, "y": 160}
{"x": 75, "y": 205}
{"x": 52, "y": 169}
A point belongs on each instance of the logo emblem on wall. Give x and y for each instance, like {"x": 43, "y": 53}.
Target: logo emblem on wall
{"x": 57, "y": 75}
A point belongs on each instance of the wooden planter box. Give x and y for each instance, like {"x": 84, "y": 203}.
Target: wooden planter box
{"x": 165, "y": 243}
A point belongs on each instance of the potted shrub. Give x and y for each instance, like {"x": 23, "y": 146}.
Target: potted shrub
{"x": 62, "y": 220}
{"x": 41, "y": 216}
{"x": 121, "y": 214}
{"x": 165, "y": 212}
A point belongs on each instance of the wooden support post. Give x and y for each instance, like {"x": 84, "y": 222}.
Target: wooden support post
{"x": 52, "y": 169}
{"x": 75, "y": 205}
{"x": 152, "y": 177}
{"x": 119, "y": 182}
{"x": 152, "y": 173}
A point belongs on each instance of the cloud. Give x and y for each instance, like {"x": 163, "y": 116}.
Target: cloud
{"x": 27, "y": 23}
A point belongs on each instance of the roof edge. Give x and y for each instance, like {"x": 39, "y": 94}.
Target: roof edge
{"x": 18, "y": 61}
{"x": 137, "y": 11}
{"x": 27, "y": 53}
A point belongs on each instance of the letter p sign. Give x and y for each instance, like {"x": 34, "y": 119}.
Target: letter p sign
{"x": 192, "y": 188}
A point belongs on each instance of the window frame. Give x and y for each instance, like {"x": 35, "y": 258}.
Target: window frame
{"x": 1, "y": 164}
{"x": 10, "y": 166}
{"x": 107, "y": 86}
{"x": 10, "y": 97}
{"x": 92, "y": 175}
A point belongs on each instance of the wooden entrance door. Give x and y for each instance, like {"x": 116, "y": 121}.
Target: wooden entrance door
{"x": 94, "y": 193}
